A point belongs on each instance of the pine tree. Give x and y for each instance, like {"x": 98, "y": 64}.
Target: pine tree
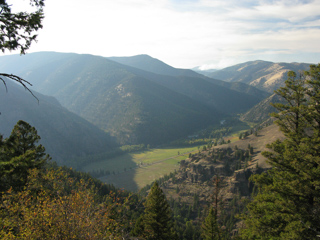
{"x": 189, "y": 231}
{"x": 18, "y": 154}
{"x": 18, "y": 31}
{"x": 210, "y": 228}
{"x": 287, "y": 205}
{"x": 158, "y": 223}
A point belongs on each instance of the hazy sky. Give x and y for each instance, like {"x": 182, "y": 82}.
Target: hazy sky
{"x": 185, "y": 33}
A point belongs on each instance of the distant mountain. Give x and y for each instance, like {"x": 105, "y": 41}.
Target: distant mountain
{"x": 267, "y": 76}
{"x": 150, "y": 64}
{"x": 114, "y": 98}
{"x": 213, "y": 95}
{"x": 64, "y": 134}
{"x": 204, "y": 72}
{"x": 153, "y": 65}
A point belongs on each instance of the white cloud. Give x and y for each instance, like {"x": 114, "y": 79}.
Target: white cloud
{"x": 182, "y": 33}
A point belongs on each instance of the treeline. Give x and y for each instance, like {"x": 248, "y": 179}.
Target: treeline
{"x": 161, "y": 181}
{"x": 254, "y": 131}
{"x": 203, "y": 137}
{"x": 104, "y": 172}
{"x": 233, "y": 159}
{"x": 79, "y": 162}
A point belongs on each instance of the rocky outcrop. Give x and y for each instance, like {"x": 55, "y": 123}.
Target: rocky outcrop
{"x": 201, "y": 171}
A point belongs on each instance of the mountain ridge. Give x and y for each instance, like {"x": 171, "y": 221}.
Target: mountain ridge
{"x": 119, "y": 101}
{"x": 264, "y": 75}
{"x": 153, "y": 65}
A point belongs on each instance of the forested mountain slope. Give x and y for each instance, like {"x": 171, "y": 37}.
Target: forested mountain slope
{"x": 153, "y": 65}
{"x": 64, "y": 134}
{"x": 134, "y": 105}
{"x": 129, "y": 106}
{"x": 199, "y": 89}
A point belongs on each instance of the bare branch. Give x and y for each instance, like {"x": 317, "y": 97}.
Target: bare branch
{"x": 18, "y": 79}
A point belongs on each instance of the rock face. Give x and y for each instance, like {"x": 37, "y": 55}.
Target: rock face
{"x": 199, "y": 172}
{"x": 241, "y": 183}
{"x": 222, "y": 172}
{"x": 200, "y": 169}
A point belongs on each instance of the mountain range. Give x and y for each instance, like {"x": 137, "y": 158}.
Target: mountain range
{"x": 188, "y": 78}
{"x": 267, "y": 76}
{"x": 96, "y": 103}
{"x": 132, "y": 103}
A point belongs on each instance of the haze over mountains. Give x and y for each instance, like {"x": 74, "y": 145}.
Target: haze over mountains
{"x": 134, "y": 105}
{"x": 64, "y": 134}
{"x": 266, "y": 76}
{"x": 186, "y": 79}
{"x": 135, "y": 99}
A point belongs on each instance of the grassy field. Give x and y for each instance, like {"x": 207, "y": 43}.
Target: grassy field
{"x": 139, "y": 177}
{"x": 135, "y": 170}
{"x": 132, "y": 160}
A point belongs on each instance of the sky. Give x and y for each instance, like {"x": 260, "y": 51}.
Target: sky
{"x": 211, "y": 34}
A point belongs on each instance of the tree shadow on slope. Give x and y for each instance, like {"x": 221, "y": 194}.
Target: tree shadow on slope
{"x": 119, "y": 171}
{"x": 123, "y": 180}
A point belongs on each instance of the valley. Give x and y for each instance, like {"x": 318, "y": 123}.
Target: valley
{"x": 133, "y": 100}
{"x": 134, "y": 171}
{"x": 130, "y": 122}
{"x": 213, "y": 136}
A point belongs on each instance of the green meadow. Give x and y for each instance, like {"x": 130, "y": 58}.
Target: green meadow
{"x": 133, "y": 171}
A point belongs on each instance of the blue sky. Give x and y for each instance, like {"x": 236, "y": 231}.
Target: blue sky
{"x": 185, "y": 33}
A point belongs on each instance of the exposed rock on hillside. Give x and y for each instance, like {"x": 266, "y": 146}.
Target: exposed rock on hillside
{"x": 233, "y": 164}
{"x": 267, "y": 76}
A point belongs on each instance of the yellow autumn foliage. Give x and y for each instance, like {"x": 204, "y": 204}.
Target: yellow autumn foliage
{"x": 53, "y": 206}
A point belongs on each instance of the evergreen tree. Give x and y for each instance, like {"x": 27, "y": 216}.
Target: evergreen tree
{"x": 18, "y": 31}
{"x": 158, "y": 223}
{"x": 138, "y": 227}
{"x": 287, "y": 205}
{"x": 189, "y": 231}
{"x": 210, "y": 228}
{"x": 18, "y": 154}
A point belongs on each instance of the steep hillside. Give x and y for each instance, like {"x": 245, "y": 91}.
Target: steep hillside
{"x": 242, "y": 88}
{"x": 114, "y": 98}
{"x": 139, "y": 111}
{"x": 183, "y": 76}
{"x": 261, "y": 111}
{"x": 64, "y": 134}
{"x": 267, "y": 76}
{"x": 212, "y": 95}
{"x": 194, "y": 186}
